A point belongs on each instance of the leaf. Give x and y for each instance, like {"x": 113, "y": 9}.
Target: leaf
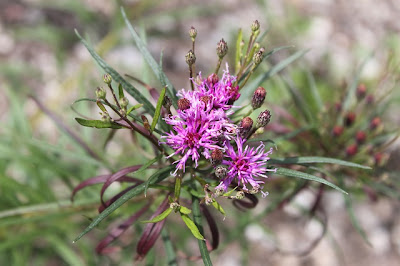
{"x": 294, "y": 173}
{"x": 314, "y": 91}
{"x": 217, "y": 206}
{"x": 137, "y": 106}
{"x": 238, "y": 50}
{"x": 191, "y": 225}
{"x": 158, "y": 109}
{"x": 160, "y": 217}
{"x": 159, "y": 176}
{"x": 118, "y": 78}
{"x": 184, "y": 210}
{"x": 197, "y": 217}
{"x": 314, "y": 159}
{"x": 97, "y": 123}
{"x": 150, "y": 60}
{"x": 169, "y": 248}
{"x": 120, "y": 91}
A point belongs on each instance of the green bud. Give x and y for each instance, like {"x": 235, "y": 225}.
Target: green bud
{"x": 259, "y": 56}
{"x": 123, "y": 102}
{"x": 107, "y": 79}
{"x": 173, "y": 205}
{"x": 100, "y": 93}
{"x": 190, "y": 58}
{"x": 255, "y": 26}
{"x": 192, "y": 33}
{"x": 222, "y": 48}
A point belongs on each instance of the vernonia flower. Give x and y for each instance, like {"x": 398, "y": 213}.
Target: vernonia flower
{"x": 246, "y": 164}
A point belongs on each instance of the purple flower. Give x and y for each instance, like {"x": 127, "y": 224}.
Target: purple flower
{"x": 246, "y": 165}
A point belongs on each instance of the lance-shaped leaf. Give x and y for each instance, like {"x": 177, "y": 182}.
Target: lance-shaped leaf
{"x": 169, "y": 248}
{"x": 97, "y": 123}
{"x": 118, "y": 78}
{"x": 150, "y": 61}
{"x": 158, "y": 109}
{"x": 205, "y": 255}
{"x": 160, "y": 217}
{"x": 192, "y": 227}
{"x": 314, "y": 159}
{"x": 294, "y": 173}
{"x": 114, "y": 233}
{"x": 218, "y": 207}
{"x": 161, "y": 175}
{"x": 184, "y": 210}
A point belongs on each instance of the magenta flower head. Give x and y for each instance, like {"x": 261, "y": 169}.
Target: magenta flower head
{"x": 247, "y": 165}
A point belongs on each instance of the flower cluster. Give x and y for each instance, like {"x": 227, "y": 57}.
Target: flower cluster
{"x": 202, "y": 127}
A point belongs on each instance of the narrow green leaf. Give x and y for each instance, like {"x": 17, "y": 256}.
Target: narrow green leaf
{"x": 160, "y": 217}
{"x": 250, "y": 88}
{"x": 133, "y": 108}
{"x": 315, "y": 159}
{"x": 193, "y": 228}
{"x": 314, "y": 91}
{"x": 120, "y": 91}
{"x": 184, "y": 210}
{"x": 178, "y": 183}
{"x": 218, "y": 207}
{"x": 97, "y": 123}
{"x": 158, "y": 109}
{"x": 238, "y": 50}
{"x": 101, "y": 106}
{"x": 227, "y": 194}
{"x": 205, "y": 255}
{"x": 150, "y": 60}
{"x": 169, "y": 248}
{"x": 294, "y": 173}
{"x": 64, "y": 251}
{"x": 157, "y": 177}
{"x": 118, "y": 78}
{"x": 150, "y": 180}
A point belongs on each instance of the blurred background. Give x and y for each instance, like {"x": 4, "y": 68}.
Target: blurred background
{"x": 44, "y": 69}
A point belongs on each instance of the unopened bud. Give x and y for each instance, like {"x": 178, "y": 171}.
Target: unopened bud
{"x": 360, "y": 137}
{"x": 192, "y": 33}
{"x": 259, "y": 56}
{"x": 216, "y": 157}
{"x": 212, "y": 79}
{"x": 361, "y": 91}
{"x": 107, "y": 79}
{"x": 100, "y": 93}
{"x": 239, "y": 195}
{"x": 337, "y": 131}
{"x": 351, "y": 150}
{"x": 173, "y": 205}
{"x": 263, "y": 118}
{"x": 255, "y": 26}
{"x": 220, "y": 172}
{"x": 222, "y": 48}
{"x": 123, "y": 102}
{"x": 183, "y": 104}
{"x": 258, "y": 98}
{"x": 349, "y": 119}
{"x": 245, "y": 126}
{"x": 146, "y": 123}
{"x": 167, "y": 102}
{"x": 219, "y": 191}
{"x": 190, "y": 58}
{"x": 375, "y": 122}
{"x": 233, "y": 93}
{"x": 105, "y": 117}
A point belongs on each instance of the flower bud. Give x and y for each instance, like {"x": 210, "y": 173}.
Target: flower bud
{"x": 192, "y": 33}
{"x": 351, "y": 150}
{"x": 259, "y": 56}
{"x": 239, "y": 195}
{"x": 190, "y": 58}
{"x": 337, "y": 131}
{"x": 212, "y": 79}
{"x": 245, "y": 126}
{"x": 146, "y": 123}
{"x": 255, "y": 26}
{"x": 105, "y": 117}
{"x": 258, "y": 98}
{"x": 375, "y": 122}
{"x": 349, "y": 119}
{"x": 216, "y": 157}
{"x": 123, "y": 102}
{"x": 222, "y": 48}
{"x": 233, "y": 93}
{"x": 263, "y": 118}
{"x": 219, "y": 191}
{"x": 100, "y": 93}
{"x": 107, "y": 79}
{"x": 220, "y": 172}
{"x": 183, "y": 104}
{"x": 173, "y": 205}
{"x": 361, "y": 91}
{"x": 167, "y": 102}
{"x": 360, "y": 137}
